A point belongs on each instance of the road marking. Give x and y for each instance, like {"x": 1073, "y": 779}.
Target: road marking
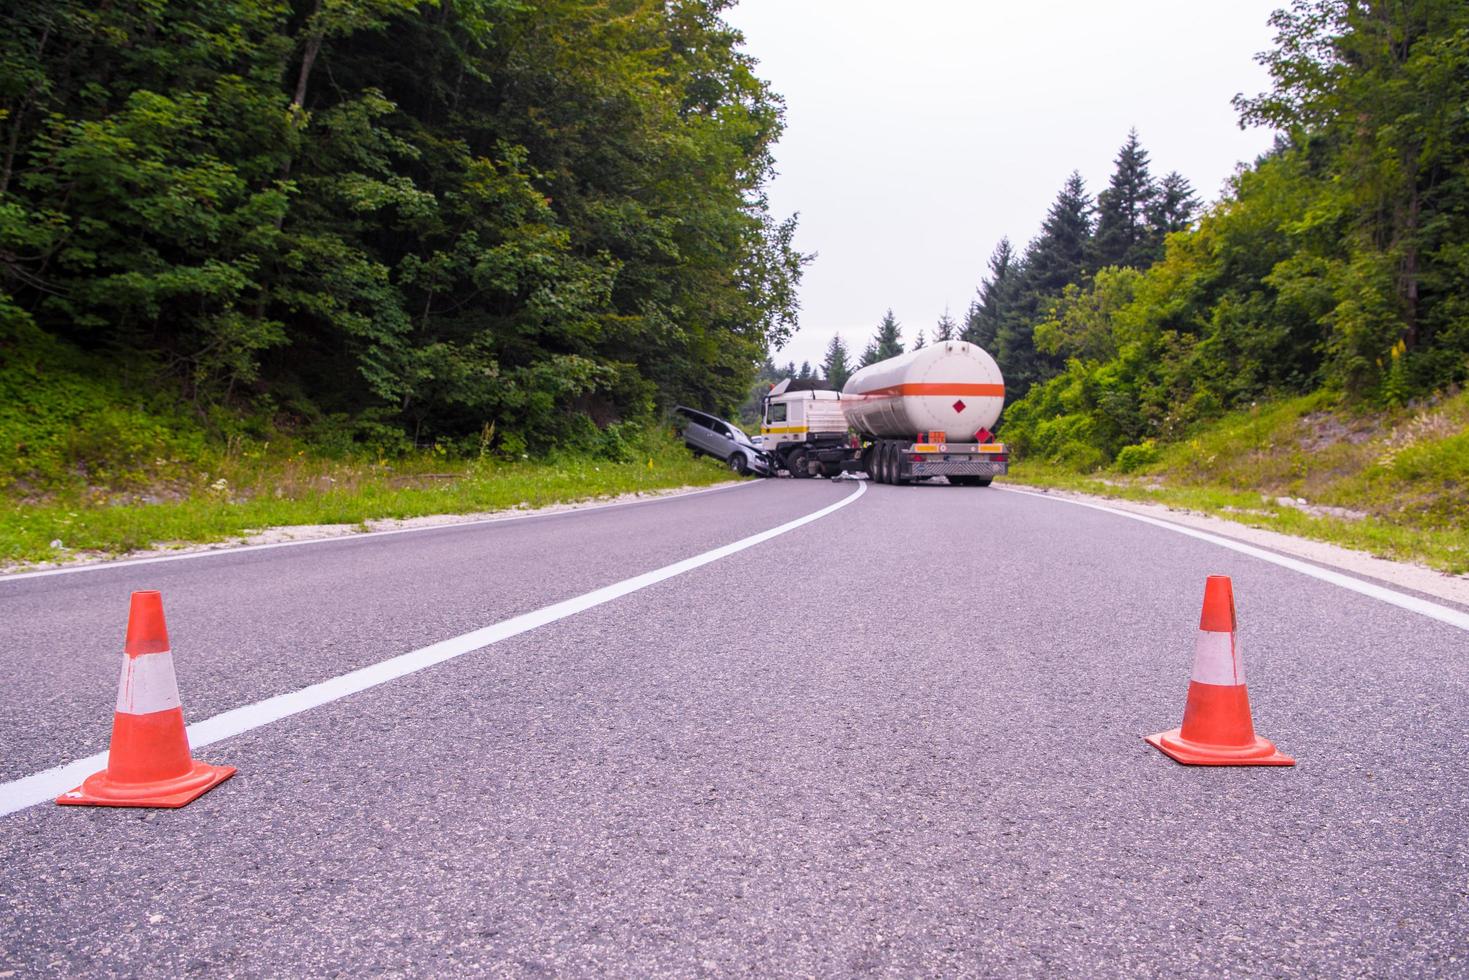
{"x": 1444, "y": 614}
{"x": 42, "y": 786}
{"x": 126, "y": 562}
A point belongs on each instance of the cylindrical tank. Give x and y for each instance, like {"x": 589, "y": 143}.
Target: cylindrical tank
{"x": 952, "y": 387}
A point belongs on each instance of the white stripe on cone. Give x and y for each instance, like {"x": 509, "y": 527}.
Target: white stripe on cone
{"x": 1217, "y": 659}
{"x": 147, "y": 684}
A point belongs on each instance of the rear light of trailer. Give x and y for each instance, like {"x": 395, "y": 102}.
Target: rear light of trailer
{"x": 915, "y": 458}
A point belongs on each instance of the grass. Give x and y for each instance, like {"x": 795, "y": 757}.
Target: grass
{"x": 1393, "y": 483}
{"x": 95, "y": 457}
{"x": 244, "y": 494}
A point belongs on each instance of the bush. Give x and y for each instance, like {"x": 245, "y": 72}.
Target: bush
{"x": 1135, "y": 457}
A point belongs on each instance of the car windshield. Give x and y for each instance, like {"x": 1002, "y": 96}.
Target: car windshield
{"x": 739, "y": 435}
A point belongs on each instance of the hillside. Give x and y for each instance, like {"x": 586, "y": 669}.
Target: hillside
{"x": 1394, "y": 482}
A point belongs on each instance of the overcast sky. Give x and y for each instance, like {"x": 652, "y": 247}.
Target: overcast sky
{"x": 920, "y": 133}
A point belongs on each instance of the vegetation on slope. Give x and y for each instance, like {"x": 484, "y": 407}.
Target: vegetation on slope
{"x": 1390, "y": 481}
{"x": 427, "y": 215}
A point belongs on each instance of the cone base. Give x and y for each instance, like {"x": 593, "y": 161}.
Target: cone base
{"x": 1261, "y": 753}
{"x": 99, "y": 790}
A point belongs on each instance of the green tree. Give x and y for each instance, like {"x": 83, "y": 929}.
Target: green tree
{"x": 1123, "y": 230}
{"x": 886, "y": 343}
{"x": 442, "y": 215}
{"x": 1174, "y": 208}
{"x": 946, "y": 329}
{"x": 919, "y": 342}
{"x": 1372, "y": 94}
{"x": 836, "y": 367}
{"x": 1057, "y": 257}
{"x": 996, "y": 295}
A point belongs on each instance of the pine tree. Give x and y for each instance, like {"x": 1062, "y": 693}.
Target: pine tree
{"x": 920, "y": 343}
{"x": 945, "y": 329}
{"x": 887, "y": 342}
{"x": 1059, "y": 254}
{"x": 1124, "y": 233}
{"x": 869, "y": 354}
{"x": 1173, "y": 209}
{"x": 789, "y": 371}
{"x": 1056, "y": 258}
{"x": 837, "y": 367}
{"x": 996, "y": 294}
{"x": 806, "y": 374}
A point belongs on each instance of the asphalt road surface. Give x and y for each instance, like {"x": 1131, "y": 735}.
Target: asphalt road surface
{"x": 902, "y": 738}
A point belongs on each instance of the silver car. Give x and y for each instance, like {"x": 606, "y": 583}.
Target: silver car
{"x": 710, "y": 436}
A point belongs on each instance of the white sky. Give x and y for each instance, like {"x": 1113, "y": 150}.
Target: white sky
{"x": 920, "y": 133}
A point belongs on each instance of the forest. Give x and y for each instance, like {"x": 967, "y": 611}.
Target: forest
{"x": 394, "y": 222}
{"x": 487, "y": 225}
{"x": 1338, "y": 262}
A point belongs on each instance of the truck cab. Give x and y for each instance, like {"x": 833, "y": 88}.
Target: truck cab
{"x": 804, "y": 428}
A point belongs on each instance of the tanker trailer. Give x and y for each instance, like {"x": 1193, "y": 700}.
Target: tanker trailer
{"x": 928, "y": 413}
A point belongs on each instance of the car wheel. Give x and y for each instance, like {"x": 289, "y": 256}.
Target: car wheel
{"x": 799, "y": 463}
{"x": 738, "y": 465}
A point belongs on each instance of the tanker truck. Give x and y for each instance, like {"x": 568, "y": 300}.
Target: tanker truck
{"x": 923, "y": 414}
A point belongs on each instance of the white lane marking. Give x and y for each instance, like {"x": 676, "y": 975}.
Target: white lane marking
{"x": 38, "y": 788}
{"x": 1444, "y": 614}
{"x": 1217, "y": 660}
{"x": 126, "y": 562}
{"x": 147, "y": 684}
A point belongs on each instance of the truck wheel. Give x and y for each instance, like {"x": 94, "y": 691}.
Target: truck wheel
{"x": 738, "y": 465}
{"x": 869, "y": 464}
{"x": 895, "y": 460}
{"x": 799, "y": 463}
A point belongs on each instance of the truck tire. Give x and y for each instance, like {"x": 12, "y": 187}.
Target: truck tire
{"x": 869, "y": 464}
{"x": 895, "y": 460}
{"x": 799, "y": 463}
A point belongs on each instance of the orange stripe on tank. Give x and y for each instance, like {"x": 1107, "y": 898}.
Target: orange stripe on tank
{"x": 897, "y": 391}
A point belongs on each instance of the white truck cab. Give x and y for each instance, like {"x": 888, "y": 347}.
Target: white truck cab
{"x": 802, "y": 425}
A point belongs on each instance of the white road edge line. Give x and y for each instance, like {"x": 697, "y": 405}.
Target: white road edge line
{"x": 42, "y": 786}
{"x": 103, "y": 566}
{"x": 1422, "y": 607}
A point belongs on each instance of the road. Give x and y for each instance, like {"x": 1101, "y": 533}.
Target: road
{"x": 901, "y": 738}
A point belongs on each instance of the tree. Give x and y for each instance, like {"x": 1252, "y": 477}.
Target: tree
{"x": 1060, "y": 254}
{"x": 886, "y": 343}
{"x": 996, "y": 294}
{"x": 1057, "y": 257}
{"x": 1123, "y": 231}
{"x": 1372, "y": 94}
{"x": 836, "y": 367}
{"x": 805, "y": 374}
{"x": 532, "y": 215}
{"x": 919, "y": 342}
{"x": 1173, "y": 209}
{"x": 946, "y": 329}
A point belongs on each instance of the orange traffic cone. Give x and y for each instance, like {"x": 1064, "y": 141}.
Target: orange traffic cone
{"x": 1217, "y": 730}
{"x": 149, "y": 762}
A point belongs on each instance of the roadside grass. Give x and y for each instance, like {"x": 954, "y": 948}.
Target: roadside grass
{"x": 242, "y": 495}
{"x": 1392, "y": 483}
